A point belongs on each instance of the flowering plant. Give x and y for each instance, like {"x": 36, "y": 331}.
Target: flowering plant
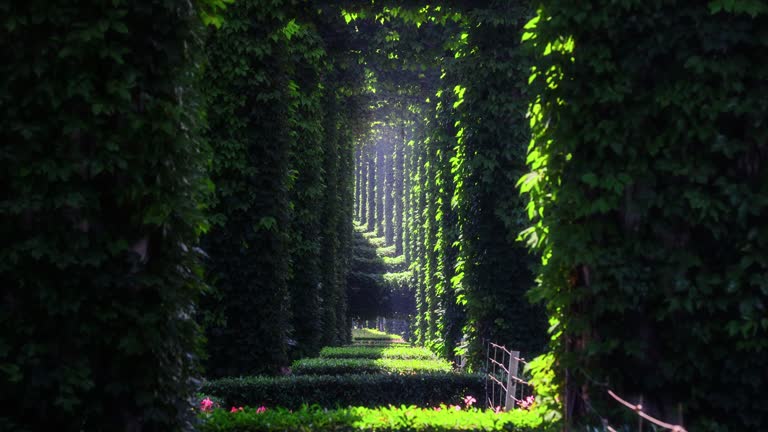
{"x": 206, "y": 405}
{"x": 527, "y": 403}
{"x": 469, "y": 401}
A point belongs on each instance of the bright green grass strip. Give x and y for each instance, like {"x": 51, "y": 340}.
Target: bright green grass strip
{"x": 391, "y": 352}
{"x": 388, "y": 251}
{"x": 378, "y": 343}
{"x": 396, "y": 260}
{"x": 333, "y": 366}
{"x": 372, "y": 334}
{"x": 384, "y": 419}
{"x": 377, "y": 241}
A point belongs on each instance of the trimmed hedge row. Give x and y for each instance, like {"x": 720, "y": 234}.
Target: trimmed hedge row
{"x": 345, "y": 390}
{"x": 369, "y": 334}
{"x": 386, "y": 251}
{"x": 376, "y": 352}
{"x": 103, "y": 185}
{"x": 442, "y": 418}
{"x": 379, "y": 343}
{"x": 341, "y": 366}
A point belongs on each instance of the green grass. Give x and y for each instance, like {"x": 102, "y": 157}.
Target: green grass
{"x": 341, "y": 366}
{"x": 383, "y": 419}
{"x": 390, "y": 352}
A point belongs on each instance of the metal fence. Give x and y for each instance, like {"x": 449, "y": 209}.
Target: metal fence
{"x": 643, "y": 417}
{"x": 505, "y": 385}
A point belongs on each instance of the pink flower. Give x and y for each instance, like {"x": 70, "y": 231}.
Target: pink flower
{"x": 437, "y": 408}
{"x": 206, "y": 405}
{"x": 456, "y": 407}
{"x": 527, "y": 403}
{"x": 497, "y": 410}
{"x": 234, "y": 410}
{"x": 261, "y": 409}
{"x": 469, "y": 401}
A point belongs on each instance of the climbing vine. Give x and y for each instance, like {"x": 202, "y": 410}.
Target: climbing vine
{"x": 646, "y": 190}
{"x": 103, "y": 185}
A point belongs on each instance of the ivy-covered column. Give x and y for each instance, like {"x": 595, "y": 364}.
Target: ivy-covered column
{"x": 102, "y": 180}
{"x": 493, "y": 137}
{"x": 247, "y": 83}
{"x": 363, "y": 185}
{"x": 648, "y": 186}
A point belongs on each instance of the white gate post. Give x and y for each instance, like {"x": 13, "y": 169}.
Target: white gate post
{"x": 512, "y": 383}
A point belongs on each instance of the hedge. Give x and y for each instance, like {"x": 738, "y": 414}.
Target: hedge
{"x": 442, "y": 418}
{"x": 376, "y": 352}
{"x": 101, "y": 193}
{"x": 386, "y": 251}
{"x": 648, "y": 197}
{"x": 380, "y": 343}
{"x": 367, "y": 334}
{"x": 345, "y": 390}
{"x": 248, "y": 242}
{"x": 336, "y": 366}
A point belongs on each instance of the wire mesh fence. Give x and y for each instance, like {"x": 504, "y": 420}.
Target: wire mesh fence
{"x": 645, "y": 422}
{"x": 506, "y": 385}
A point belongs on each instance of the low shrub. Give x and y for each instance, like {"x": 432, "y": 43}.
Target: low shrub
{"x": 378, "y": 343}
{"x": 341, "y": 366}
{"x": 404, "y": 418}
{"x": 395, "y": 264}
{"x": 377, "y": 241}
{"x": 364, "y": 251}
{"x": 345, "y": 390}
{"x": 386, "y": 251}
{"x": 376, "y": 352}
{"x": 369, "y": 334}
{"x": 397, "y": 281}
{"x": 371, "y": 265}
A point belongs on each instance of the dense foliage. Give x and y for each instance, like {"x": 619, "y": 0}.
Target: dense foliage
{"x": 492, "y": 138}
{"x": 249, "y": 134}
{"x": 272, "y": 173}
{"x": 339, "y": 366}
{"x": 649, "y": 194}
{"x": 102, "y": 180}
{"x": 391, "y": 352}
{"x": 282, "y": 143}
{"x": 457, "y": 132}
{"x": 441, "y": 418}
{"x": 345, "y": 390}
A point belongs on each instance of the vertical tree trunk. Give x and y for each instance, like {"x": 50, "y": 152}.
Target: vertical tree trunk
{"x": 380, "y": 180}
{"x": 430, "y": 240}
{"x": 356, "y": 165}
{"x": 420, "y": 250}
{"x": 372, "y": 190}
{"x": 389, "y": 188}
{"x": 399, "y": 151}
{"x": 363, "y": 185}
